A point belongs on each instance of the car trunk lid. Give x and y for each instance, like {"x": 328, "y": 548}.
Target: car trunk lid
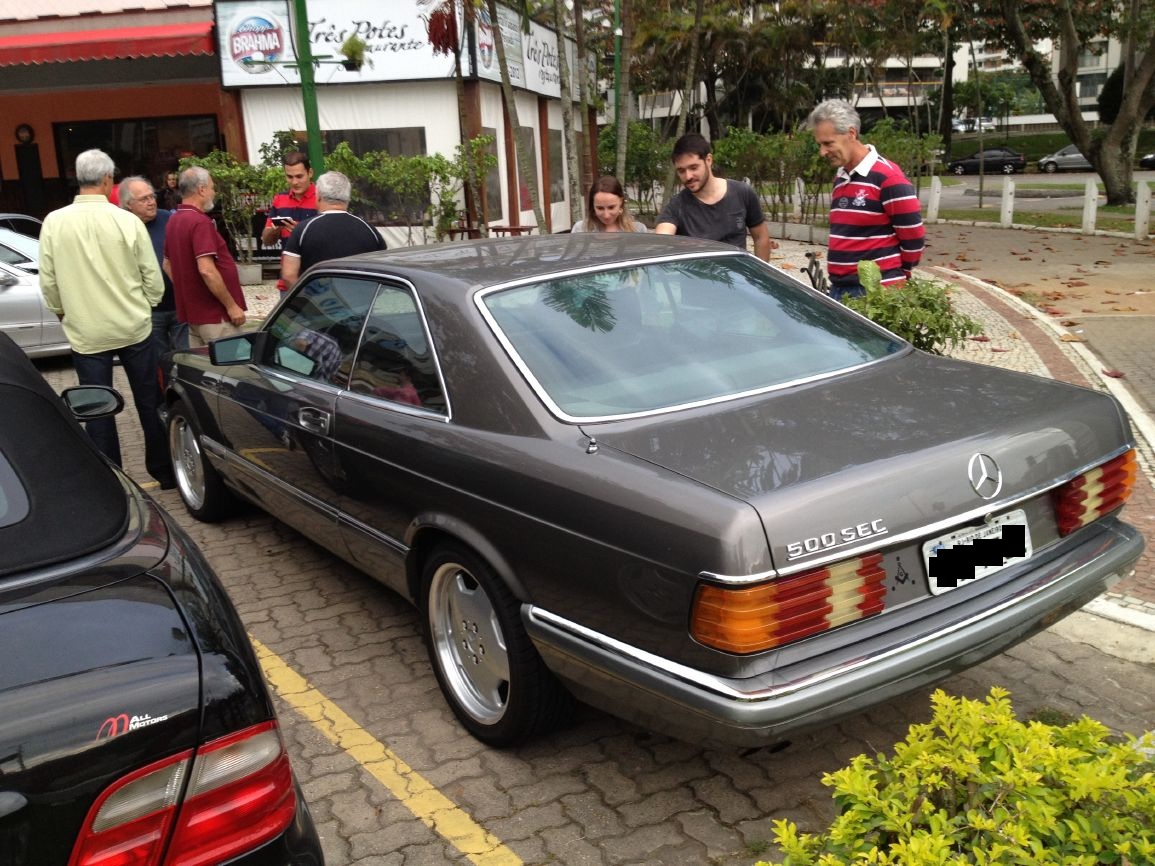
{"x": 851, "y": 461}
{"x": 119, "y": 688}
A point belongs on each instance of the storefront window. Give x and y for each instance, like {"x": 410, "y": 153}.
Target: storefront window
{"x": 149, "y": 147}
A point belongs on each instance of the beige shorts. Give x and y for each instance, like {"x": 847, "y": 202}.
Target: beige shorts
{"x": 202, "y": 335}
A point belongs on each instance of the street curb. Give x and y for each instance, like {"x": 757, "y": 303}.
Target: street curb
{"x": 1144, "y": 426}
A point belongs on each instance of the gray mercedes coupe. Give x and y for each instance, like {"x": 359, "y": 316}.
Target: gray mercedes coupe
{"x": 659, "y": 475}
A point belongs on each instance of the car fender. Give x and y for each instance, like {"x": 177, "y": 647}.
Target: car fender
{"x": 198, "y": 414}
{"x": 424, "y": 532}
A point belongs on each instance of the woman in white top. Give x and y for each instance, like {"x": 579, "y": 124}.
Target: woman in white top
{"x": 606, "y": 209}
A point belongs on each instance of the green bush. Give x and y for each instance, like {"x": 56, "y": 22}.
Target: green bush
{"x": 975, "y": 785}
{"x": 919, "y": 311}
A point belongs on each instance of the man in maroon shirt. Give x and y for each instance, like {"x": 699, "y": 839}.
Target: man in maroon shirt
{"x": 204, "y": 274}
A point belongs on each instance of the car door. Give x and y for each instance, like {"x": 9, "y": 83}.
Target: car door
{"x": 278, "y": 414}
{"x": 22, "y": 308}
{"x": 392, "y": 425}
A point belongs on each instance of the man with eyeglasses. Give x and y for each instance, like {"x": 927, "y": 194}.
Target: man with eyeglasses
{"x": 137, "y": 196}
{"x": 99, "y": 275}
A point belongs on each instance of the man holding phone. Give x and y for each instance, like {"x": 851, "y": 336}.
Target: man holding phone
{"x": 294, "y": 205}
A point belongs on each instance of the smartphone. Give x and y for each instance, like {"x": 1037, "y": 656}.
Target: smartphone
{"x": 281, "y": 220}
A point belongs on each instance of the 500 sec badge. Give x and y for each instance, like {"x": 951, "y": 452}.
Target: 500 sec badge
{"x": 835, "y": 538}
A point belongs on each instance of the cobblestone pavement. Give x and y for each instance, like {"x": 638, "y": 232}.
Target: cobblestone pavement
{"x": 374, "y": 743}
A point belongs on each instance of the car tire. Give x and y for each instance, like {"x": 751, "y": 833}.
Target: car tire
{"x": 488, "y": 669}
{"x": 200, "y": 486}
{"x": 958, "y": 170}
{"x": 1050, "y": 167}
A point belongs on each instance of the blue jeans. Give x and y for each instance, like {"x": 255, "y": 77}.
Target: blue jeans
{"x": 168, "y": 334}
{"x": 139, "y": 363}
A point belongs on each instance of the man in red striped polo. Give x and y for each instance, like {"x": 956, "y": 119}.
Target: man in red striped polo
{"x": 874, "y": 211}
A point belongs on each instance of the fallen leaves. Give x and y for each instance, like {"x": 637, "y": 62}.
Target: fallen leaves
{"x": 1071, "y": 338}
{"x": 980, "y": 339}
{"x": 1114, "y": 374}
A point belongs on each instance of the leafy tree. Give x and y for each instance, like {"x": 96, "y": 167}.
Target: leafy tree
{"x": 1019, "y": 25}
{"x": 646, "y": 158}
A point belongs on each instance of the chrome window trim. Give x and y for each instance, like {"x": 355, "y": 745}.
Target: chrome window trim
{"x": 381, "y": 280}
{"x": 561, "y": 415}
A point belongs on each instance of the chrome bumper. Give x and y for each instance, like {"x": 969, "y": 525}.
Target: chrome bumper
{"x": 708, "y": 709}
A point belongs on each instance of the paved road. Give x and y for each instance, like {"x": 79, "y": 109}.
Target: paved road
{"x": 393, "y": 779}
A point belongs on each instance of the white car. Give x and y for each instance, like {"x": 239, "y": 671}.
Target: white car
{"x": 23, "y": 314}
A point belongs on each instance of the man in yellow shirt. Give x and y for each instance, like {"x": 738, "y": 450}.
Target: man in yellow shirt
{"x": 100, "y": 276}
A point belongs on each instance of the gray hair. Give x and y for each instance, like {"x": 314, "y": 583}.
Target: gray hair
{"x": 838, "y": 112}
{"x": 191, "y": 179}
{"x": 125, "y": 192}
{"x": 334, "y": 187}
{"x": 93, "y": 166}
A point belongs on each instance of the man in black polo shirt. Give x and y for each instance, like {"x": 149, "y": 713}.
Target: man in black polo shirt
{"x": 331, "y": 234}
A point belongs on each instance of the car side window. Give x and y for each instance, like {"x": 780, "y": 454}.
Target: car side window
{"x": 395, "y": 361}
{"x": 315, "y": 334}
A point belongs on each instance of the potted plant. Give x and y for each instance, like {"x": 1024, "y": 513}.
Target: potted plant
{"x": 241, "y": 191}
{"x": 354, "y": 50}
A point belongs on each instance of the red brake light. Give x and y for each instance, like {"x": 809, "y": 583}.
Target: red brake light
{"x": 755, "y": 618}
{"x": 1096, "y": 492}
{"x": 239, "y": 796}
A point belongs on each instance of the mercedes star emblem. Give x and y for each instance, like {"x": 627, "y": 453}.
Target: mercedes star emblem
{"x": 985, "y": 476}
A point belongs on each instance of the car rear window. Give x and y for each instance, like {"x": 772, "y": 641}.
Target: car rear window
{"x": 663, "y": 335}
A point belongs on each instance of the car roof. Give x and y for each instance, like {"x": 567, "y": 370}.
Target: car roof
{"x": 482, "y": 263}
{"x": 75, "y": 503}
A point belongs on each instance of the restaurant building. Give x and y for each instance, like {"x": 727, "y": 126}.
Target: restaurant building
{"x": 150, "y": 85}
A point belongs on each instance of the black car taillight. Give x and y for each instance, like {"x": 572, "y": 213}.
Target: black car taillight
{"x": 240, "y": 795}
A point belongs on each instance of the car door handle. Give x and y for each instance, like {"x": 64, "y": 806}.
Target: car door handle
{"x": 314, "y": 420}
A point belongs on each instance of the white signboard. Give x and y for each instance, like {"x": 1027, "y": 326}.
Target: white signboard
{"x": 257, "y": 47}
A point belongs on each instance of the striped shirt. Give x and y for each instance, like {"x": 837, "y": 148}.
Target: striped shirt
{"x": 874, "y": 214}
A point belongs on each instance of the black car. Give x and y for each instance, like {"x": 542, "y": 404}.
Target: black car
{"x": 136, "y": 724}
{"x": 1147, "y": 161}
{"x": 992, "y": 159}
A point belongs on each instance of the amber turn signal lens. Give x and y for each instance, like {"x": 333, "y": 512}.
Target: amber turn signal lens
{"x": 751, "y": 619}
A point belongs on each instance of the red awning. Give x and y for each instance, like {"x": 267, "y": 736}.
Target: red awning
{"x": 160, "y": 40}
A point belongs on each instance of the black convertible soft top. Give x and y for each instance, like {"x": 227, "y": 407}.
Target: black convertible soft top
{"x": 76, "y": 503}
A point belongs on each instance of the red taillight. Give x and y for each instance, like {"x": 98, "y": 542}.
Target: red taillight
{"x": 755, "y": 618}
{"x": 1094, "y": 493}
{"x": 240, "y": 795}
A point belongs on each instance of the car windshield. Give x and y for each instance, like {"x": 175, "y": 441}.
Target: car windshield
{"x": 649, "y": 338}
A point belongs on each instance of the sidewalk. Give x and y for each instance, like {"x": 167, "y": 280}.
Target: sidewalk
{"x": 1023, "y": 338}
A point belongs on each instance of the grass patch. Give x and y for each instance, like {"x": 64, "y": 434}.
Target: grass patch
{"x": 1047, "y": 219}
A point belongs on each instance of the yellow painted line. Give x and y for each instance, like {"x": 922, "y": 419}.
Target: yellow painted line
{"x": 412, "y": 790}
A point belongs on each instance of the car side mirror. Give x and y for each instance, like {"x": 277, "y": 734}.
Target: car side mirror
{"x": 242, "y": 349}
{"x": 7, "y": 279}
{"x": 90, "y": 402}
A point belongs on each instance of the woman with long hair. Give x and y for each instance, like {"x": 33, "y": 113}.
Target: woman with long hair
{"x": 606, "y": 209}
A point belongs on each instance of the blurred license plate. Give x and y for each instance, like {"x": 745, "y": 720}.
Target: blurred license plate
{"x": 969, "y": 554}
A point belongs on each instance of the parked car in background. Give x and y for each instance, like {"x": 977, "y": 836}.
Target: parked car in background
{"x": 1147, "y": 161}
{"x": 136, "y": 720}
{"x": 24, "y": 317}
{"x": 1001, "y": 159}
{"x": 22, "y": 223}
{"x": 20, "y": 251}
{"x": 659, "y": 472}
{"x": 1069, "y": 158}
{"x": 972, "y": 124}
